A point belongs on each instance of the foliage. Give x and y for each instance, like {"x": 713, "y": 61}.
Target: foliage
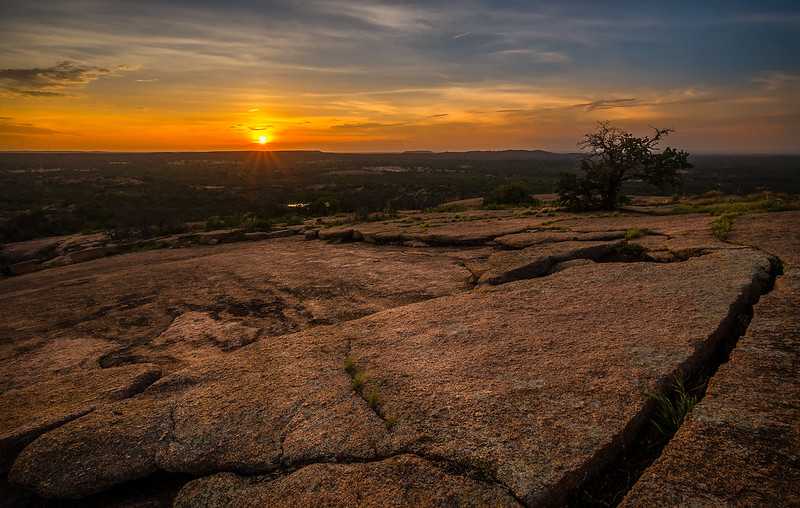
{"x": 721, "y": 226}
{"x": 633, "y": 233}
{"x": 516, "y": 193}
{"x": 135, "y": 194}
{"x": 671, "y": 408}
{"x": 629, "y": 251}
{"x": 614, "y": 156}
{"x": 718, "y": 204}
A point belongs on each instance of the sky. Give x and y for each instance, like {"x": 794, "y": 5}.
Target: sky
{"x": 391, "y": 76}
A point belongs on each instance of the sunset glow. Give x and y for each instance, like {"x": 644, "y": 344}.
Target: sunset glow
{"x": 374, "y": 76}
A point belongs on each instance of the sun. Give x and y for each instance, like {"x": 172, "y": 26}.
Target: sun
{"x": 263, "y": 140}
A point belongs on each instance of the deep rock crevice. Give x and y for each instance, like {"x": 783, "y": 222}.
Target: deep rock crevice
{"x": 619, "y": 467}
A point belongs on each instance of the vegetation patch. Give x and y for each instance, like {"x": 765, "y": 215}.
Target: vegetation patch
{"x": 633, "y": 233}
{"x": 371, "y": 395}
{"x": 718, "y": 204}
{"x": 721, "y": 226}
{"x": 629, "y": 251}
{"x": 672, "y": 407}
{"x": 509, "y": 195}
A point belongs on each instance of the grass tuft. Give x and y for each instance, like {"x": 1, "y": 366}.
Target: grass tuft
{"x": 358, "y": 380}
{"x": 373, "y": 399}
{"x": 672, "y": 407}
{"x": 350, "y": 367}
{"x": 371, "y": 395}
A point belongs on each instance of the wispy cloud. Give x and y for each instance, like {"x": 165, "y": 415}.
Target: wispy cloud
{"x": 9, "y": 126}
{"x": 534, "y": 55}
{"x": 366, "y": 126}
{"x": 50, "y": 81}
{"x": 608, "y": 104}
{"x": 774, "y": 81}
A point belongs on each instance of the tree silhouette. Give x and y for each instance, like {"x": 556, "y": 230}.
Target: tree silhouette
{"x": 613, "y": 156}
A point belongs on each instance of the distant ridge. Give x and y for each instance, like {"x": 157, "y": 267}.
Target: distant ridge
{"x": 470, "y": 154}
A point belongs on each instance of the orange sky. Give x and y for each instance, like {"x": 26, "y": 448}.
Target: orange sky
{"x": 378, "y": 77}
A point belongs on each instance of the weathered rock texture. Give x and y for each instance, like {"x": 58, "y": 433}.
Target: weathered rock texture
{"x": 403, "y": 481}
{"x": 741, "y": 444}
{"x": 537, "y": 261}
{"x": 276, "y": 287}
{"x": 342, "y": 373}
{"x": 29, "y": 411}
{"x": 530, "y": 383}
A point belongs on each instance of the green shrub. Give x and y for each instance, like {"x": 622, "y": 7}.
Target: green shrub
{"x": 509, "y": 194}
{"x": 633, "y": 233}
{"x": 721, "y": 226}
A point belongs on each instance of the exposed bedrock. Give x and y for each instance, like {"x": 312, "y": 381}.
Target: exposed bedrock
{"x": 529, "y": 385}
{"x": 402, "y": 481}
{"x": 536, "y": 261}
{"x": 741, "y": 444}
{"x": 28, "y": 412}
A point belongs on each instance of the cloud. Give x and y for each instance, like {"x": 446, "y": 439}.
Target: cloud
{"x": 608, "y": 104}
{"x": 535, "y": 55}
{"x": 366, "y": 125}
{"x": 32, "y": 93}
{"x": 774, "y": 81}
{"x": 8, "y": 126}
{"x": 150, "y": 80}
{"x": 461, "y": 35}
{"x": 50, "y": 81}
{"x": 392, "y": 17}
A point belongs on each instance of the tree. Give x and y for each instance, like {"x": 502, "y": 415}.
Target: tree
{"x": 614, "y": 156}
{"x": 509, "y": 194}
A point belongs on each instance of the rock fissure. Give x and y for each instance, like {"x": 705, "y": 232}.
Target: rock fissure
{"x": 366, "y": 389}
{"x": 447, "y": 465}
{"x": 641, "y": 443}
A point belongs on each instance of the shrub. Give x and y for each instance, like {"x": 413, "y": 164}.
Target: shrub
{"x": 252, "y": 222}
{"x": 721, "y": 226}
{"x": 633, "y": 233}
{"x": 509, "y": 194}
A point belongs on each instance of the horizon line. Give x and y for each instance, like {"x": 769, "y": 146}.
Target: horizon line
{"x": 375, "y": 152}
